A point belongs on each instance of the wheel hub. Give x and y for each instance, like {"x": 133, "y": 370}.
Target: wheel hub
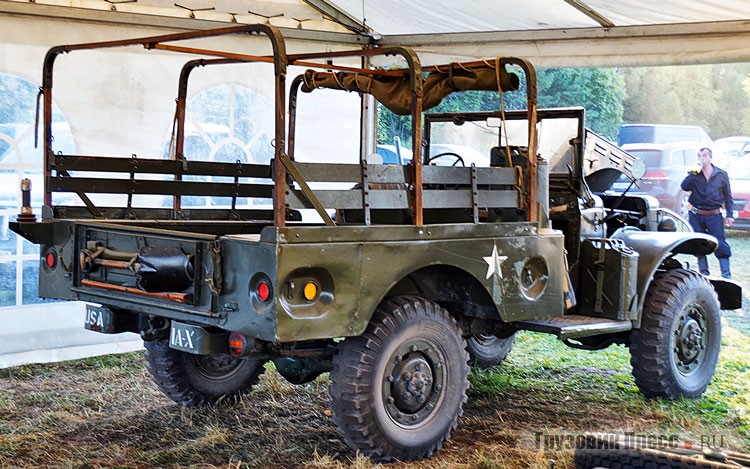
{"x": 217, "y": 366}
{"x": 690, "y": 339}
{"x": 414, "y": 382}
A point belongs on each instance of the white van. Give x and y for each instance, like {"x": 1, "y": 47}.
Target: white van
{"x": 662, "y": 133}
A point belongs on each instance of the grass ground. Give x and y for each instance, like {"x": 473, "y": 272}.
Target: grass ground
{"x": 105, "y": 412}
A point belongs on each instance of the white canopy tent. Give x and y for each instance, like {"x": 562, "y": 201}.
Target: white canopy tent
{"x": 559, "y": 33}
{"x": 555, "y": 33}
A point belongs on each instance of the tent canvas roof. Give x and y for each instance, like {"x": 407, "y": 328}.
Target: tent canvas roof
{"x": 548, "y": 32}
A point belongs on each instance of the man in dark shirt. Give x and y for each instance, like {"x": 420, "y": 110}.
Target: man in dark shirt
{"x": 709, "y": 190}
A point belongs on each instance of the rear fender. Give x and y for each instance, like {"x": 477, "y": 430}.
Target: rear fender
{"x": 655, "y": 247}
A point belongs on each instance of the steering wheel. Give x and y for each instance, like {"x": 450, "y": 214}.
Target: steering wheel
{"x": 458, "y": 158}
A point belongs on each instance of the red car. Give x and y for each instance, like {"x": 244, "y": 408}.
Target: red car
{"x": 739, "y": 178}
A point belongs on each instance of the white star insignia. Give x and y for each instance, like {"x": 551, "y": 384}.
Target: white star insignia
{"x": 493, "y": 263}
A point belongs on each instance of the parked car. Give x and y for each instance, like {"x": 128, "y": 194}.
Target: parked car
{"x": 739, "y": 179}
{"x": 392, "y": 154}
{"x": 661, "y": 133}
{"x": 667, "y": 165}
{"x": 727, "y": 150}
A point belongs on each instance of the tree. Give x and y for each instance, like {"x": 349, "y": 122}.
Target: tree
{"x": 599, "y": 91}
{"x": 712, "y": 96}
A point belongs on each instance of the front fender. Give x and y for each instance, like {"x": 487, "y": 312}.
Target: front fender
{"x": 655, "y": 246}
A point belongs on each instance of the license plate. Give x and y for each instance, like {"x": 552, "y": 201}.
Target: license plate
{"x": 97, "y": 318}
{"x": 184, "y": 337}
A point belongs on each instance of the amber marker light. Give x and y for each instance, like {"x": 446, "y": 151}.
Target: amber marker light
{"x": 310, "y": 291}
{"x": 237, "y": 344}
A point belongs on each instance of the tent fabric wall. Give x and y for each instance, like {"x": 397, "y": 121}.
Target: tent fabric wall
{"x": 121, "y": 102}
{"x": 555, "y": 33}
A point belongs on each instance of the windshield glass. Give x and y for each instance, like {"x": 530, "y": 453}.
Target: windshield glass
{"x": 473, "y": 139}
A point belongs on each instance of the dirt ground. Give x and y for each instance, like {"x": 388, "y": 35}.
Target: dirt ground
{"x": 107, "y": 413}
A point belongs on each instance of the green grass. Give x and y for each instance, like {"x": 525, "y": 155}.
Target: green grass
{"x": 104, "y": 411}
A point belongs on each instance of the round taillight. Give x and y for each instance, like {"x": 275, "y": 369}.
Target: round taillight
{"x": 263, "y": 291}
{"x": 51, "y": 260}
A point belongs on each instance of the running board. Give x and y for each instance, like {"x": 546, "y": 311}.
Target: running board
{"x": 573, "y": 326}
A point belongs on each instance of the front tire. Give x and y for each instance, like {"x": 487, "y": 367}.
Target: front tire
{"x": 199, "y": 380}
{"x": 398, "y": 389}
{"x": 488, "y": 350}
{"x": 674, "y": 353}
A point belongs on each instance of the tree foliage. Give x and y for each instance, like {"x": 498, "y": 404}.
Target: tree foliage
{"x": 600, "y": 91}
{"x": 714, "y": 97}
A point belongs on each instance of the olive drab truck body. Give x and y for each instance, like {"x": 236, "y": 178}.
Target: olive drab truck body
{"x": 407, "y": 274}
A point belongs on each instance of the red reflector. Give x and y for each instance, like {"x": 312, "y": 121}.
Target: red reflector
{"x": 264, "y": 291}
{"x": 50, "y": 259}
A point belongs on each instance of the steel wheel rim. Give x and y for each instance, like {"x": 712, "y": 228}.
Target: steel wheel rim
{"x": 414, "y": 382}
{"x": 218, "y": 366}
{"x": 690, "y": 339}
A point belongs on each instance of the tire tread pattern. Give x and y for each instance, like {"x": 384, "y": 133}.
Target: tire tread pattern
{"x": 168, "y": 372}
{"x": 354, "y": 365}
{"x": 651, "y": 369}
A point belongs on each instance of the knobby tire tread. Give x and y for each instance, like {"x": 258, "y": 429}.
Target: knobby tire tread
{"x": 167, "y": 371}
{"x": 651, "y": 370}
{"x": 354, "y": 364}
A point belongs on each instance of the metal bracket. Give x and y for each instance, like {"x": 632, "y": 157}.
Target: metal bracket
{"x": 233, "y": 212}
{"x": 129, "y": 213}
{"x": 366, "y": 193}
{"x": 89, "y": 204}
{"x": 306, "y": 191}
{"x": 474, "y": 194}
{"x": 215, "y": 279}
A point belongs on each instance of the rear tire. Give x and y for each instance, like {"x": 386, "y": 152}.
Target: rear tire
{"x": 199, "y": 380}
{"x": 674, "y": 353}
{"x": 398, "y": 389}
{"x": 487, "y": 350}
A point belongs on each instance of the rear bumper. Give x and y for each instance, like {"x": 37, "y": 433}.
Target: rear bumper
{"x": 741, "y": 224}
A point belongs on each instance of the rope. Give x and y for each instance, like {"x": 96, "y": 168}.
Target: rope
{"x": 519, "y": 186}
{"x": 338, "y": 81}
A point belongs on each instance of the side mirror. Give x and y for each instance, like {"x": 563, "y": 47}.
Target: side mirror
{"x": 494, "y": 122}
{"x": 667, "y": 224}
{"x": 638, "y": 168}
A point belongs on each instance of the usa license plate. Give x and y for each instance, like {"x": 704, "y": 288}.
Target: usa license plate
{"x": 97, "y": 318}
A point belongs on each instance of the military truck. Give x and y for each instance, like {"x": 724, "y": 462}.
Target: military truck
{"x": 406, "y": 275}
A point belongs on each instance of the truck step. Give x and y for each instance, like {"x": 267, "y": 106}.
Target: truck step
{"x": 573, "y": 326}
